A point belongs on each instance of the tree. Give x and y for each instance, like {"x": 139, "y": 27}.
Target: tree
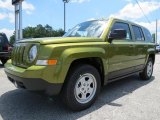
{"x": 38, "y": 32}
{"x": 12, "y": 39}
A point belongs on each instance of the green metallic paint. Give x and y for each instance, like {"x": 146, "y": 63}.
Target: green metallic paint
{"x": 115, "y": 56}
{"x": 42, "y": 72}
{"x": 71, "y": 54}
{"x": 67, "y": 53}
{"x": 60, "y": 40}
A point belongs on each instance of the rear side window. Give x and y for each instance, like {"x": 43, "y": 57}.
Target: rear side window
{"x": 148, "y": 35}
{"x": 0, "y": 44}
{"x": 124, "y": 26}
{"x": 138, "y": 33}
{"x": 1, "y": 40}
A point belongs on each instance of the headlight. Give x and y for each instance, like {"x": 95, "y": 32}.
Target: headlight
{"x": 33, "y": 53}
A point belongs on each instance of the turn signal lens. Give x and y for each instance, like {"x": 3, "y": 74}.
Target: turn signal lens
{"x": 46, "y": 62}
{"x": 52, "y": 62}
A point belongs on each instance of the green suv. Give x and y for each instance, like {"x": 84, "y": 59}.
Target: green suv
{"x": 85, "y": 59}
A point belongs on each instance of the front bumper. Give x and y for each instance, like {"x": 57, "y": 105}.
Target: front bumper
{"x": 5, "y": 54}
{"x": 35, "y": 78}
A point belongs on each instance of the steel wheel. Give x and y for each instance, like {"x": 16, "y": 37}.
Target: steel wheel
{"x": 149, "y": 68}
{"x": 82, "y": 87}
{"x": 147, "y": 72}
{"x": 85, "y": 88}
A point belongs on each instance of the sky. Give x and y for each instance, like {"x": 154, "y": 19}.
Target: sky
{"x": 51, "y": 12}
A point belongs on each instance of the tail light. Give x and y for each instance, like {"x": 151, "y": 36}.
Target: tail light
{"x": 10, "y": 48}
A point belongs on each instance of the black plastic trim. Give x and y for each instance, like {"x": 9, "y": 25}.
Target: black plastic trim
{"x": 125, "y": 72}
{"x": 5, "y": 54}
{"x": 35, "y": 84}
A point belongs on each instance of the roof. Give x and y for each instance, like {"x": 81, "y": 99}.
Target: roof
{"x": 133, "y": 23}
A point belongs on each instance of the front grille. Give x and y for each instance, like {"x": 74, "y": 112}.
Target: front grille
{"x": 18, "y": 55}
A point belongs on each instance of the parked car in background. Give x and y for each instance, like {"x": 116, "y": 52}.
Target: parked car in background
{"x": 157, "y": 48}
{"x": 85, "y": 59}
{"x": 5, "y": 48}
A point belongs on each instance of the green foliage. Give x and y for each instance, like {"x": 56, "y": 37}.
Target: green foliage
{"x": 38, "y": 32}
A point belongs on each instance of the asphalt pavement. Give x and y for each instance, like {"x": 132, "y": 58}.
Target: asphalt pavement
{"x": 127, "y": 99}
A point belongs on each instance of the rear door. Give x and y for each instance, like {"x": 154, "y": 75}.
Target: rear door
{"x": 141, "y": 47}
{"x": 121, "y": 53}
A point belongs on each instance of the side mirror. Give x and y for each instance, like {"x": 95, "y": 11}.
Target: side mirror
{"x": 117, "y": 34}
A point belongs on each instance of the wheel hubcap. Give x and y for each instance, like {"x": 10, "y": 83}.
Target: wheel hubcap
{"x": 149, "y": 69}
{"x": 85, "y": 88}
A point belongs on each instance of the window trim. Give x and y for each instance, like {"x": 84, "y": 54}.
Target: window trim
{"x": 121, "y": 22}
{"x": 146, "y": 37}
{"x": 141, "y": 33}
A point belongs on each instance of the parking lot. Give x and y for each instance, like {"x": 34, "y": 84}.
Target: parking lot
{"x": 127, "y": 99}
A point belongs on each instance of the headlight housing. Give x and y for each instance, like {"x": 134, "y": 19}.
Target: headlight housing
{"x": 33, "y": 53}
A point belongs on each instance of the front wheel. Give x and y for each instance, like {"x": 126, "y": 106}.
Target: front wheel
{"x": 82, "y": 87}
{"x": 148, "y": 70}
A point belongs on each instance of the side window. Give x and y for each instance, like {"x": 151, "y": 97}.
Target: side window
{"x": 148, "y": 35}
{"x": 1, "y": 44}
{"x": 124, "y": 26}
{"x": 138, "y": 33}
{"x": 1, "y": 40}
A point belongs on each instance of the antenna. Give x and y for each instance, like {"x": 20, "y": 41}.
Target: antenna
{"x": 156, "y": 40}
{"x": 65, "y": 1}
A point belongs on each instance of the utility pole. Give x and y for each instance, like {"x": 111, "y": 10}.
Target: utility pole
{"x": 18, "y": 19}
{"x": 156, "y": 40}
{"x": 65, "y": 1}
{"x": 64, "y": 16}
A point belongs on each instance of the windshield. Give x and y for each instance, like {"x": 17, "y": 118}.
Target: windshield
{"x": 87, "y": 29}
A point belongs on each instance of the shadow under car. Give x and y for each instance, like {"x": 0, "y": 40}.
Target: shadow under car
{"x": 23, "y": 105}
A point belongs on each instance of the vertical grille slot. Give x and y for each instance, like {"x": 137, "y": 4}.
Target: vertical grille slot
{"x": 13, "y": 57}
{"x": 21, "y": 54}
{"x": 17, "y": 55}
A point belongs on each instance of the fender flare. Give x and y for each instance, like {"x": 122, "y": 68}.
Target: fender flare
{"x": 72, "y": 54}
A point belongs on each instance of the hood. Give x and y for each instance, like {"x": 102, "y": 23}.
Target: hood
{"x": 58, "y": 40}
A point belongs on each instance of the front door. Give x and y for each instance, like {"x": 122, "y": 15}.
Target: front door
{"x": 121, "y": 53}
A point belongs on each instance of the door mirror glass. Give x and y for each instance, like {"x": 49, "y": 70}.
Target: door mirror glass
{"x": 117, "y": 34}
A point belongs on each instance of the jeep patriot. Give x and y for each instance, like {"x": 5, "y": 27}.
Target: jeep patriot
{"x": 85, "y": 59}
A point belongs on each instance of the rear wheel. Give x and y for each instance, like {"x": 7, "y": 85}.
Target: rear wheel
{"x": 148, "y": 70}
{"x": 82, "y": 87}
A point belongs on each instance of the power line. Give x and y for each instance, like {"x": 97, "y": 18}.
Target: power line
{"x": 153, "y": 14}
{"x": 143, "y": 12}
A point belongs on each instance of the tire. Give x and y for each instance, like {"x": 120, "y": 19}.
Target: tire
{"x": 77, "y": 95}
{"x": 148, "y": 70}
{"x": 3, "y": 60}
